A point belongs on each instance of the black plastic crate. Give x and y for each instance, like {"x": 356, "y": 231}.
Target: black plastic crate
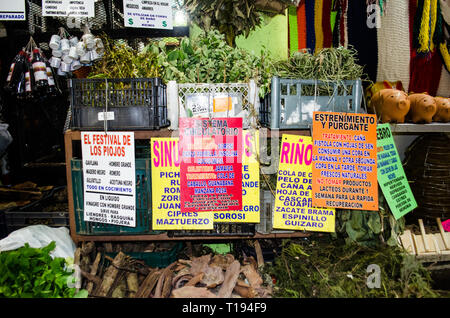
{"x": 129, "y": 103}
{"x": 34, "y": 213}
{"x": 3, "y": 228}
{"x": 17, "y": 219}
{"x": 220, "y": 229}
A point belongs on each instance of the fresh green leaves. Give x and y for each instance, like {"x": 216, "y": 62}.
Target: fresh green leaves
{"x": 230, "y": 17}
{"x": 32, "y": 273}
{"x": 369, "y": 228}
{"x": 209, "y": 59}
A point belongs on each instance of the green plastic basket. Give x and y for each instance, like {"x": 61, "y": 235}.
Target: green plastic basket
{"x": 143, "y": 203}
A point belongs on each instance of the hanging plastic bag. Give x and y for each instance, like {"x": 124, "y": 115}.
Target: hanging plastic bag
{"x": 39, "y": 236}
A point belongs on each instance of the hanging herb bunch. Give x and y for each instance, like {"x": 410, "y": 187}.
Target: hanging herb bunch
{"x": 209, "y": 59}
{"x": 132, "y": 63}
{"x": 230, "y": 17}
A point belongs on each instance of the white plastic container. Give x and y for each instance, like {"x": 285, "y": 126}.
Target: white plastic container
{"x": 55, "y": 42}
{"x": 73, "y": 53}
{"x": 65, "y": 46}
{"x": 64, "y": 67}
{"x": 55, "y": 62}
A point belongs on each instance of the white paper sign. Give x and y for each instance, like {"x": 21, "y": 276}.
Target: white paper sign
{"x": 148, "y": 14}
{"x": 12, "y": 10}
{"x": 109, "y": 177}
{"x": 68, "y": 8}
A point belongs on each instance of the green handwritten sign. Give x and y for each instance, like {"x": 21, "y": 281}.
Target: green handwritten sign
{"x": 391, "y": 176}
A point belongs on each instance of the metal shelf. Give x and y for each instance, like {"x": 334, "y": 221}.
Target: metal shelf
{"x": 420, "y": 128}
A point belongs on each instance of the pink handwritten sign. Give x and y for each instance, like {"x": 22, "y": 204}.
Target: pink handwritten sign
{"x": 446, "y": 225}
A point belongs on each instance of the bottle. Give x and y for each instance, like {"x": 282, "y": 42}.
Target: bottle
{"x": 29, "y": 81}
{"x": 39, "y": 70}
{"x": 53, "y": 89}
{"x": 19, "y": 91}
{"x": 15, "y": 71}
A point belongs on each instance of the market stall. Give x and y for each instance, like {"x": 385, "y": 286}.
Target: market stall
{"x": 312, "y": 124}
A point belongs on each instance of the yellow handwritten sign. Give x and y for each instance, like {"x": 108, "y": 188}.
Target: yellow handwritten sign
{"x": 293, "y": 201}
{"x": 166, "y": 214}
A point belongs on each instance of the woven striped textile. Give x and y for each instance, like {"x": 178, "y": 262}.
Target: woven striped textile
{"x": 301, "y": 25}
{"x": 393, "y": 39}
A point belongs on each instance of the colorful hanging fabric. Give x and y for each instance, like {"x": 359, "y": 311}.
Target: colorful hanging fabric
{"x": 293, "y": 29}
{"x": 425, "y": 26}
{"x": 425, "y": 69}
{"x": 337, "y": 27}
{"x": 326, "y": 23}
{"x": 301, "y": 26}
{"x": 318, "y": 12}
{"x": 394, "y": 44}
{"x": 363, "y": 38}
{"x": 444, "y": 47}
{"x": 310, "y": 27}
{"x": 343, "y": 40}
{"x": 426, "y": 73}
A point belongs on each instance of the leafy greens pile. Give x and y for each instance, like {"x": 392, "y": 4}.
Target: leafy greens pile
{"x": 326, "y": 268}
{"x": 32, "y": 273}
{"x": 209, "y": 59}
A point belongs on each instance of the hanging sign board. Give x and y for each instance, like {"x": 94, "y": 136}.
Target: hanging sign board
{"x": 148, "y": 14}
{"x": 213, "y": 105}
{"x": 391, "y": 176}
{"x": 250, "y": 212}
{"x": 344, "y": 168}
{"x": 68, "y": 8}
{"x": 293, "y": 200}
{"x": 12, "y": 10}
{"x": 166, "y": 214}
{"x": 211, "y": 164}
{"x": 109, "y": 177}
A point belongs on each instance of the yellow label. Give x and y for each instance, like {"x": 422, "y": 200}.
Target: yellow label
{"x": 222, "y": 104}
{"x": 293, "y": 200}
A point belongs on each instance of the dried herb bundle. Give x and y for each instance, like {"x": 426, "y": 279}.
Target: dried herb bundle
{"x": 122, "y": 61}
{"x": 326, "y": 268}
{"x": 230, "y": 17}
{"x": 327, "y": 65}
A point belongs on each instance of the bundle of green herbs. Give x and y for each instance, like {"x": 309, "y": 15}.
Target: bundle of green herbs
{"x": 209, "y": 59}
{"x": 230, "y": 17}
{"x": 122, "y": 61}
{"x": 326, "y": 268}
{"x": 327, "y": 65}
{"x": 32, "y": 273}
{"x": 369, "y": 228}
